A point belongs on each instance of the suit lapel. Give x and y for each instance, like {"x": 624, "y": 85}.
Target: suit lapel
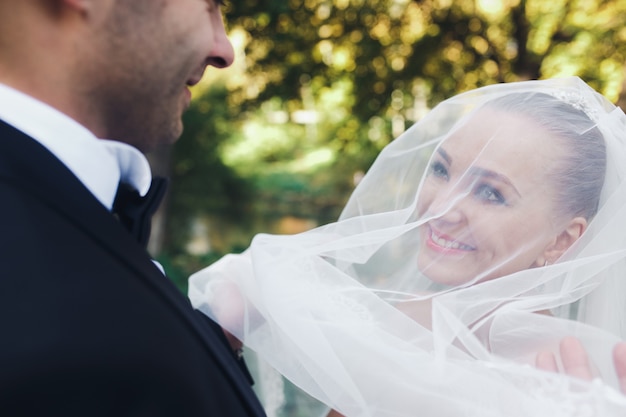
{"x": 30, "y": 166}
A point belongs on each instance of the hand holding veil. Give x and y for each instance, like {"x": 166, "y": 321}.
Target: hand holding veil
{"x": 480, "y": 238}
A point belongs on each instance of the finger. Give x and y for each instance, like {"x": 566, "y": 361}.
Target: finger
{"x": 575, "y": 359}
{"x": 228, "y": 306}
{"x": 234, "y": 343}
{"x": 619, "y": 358}
{"x": 546, "y": 361}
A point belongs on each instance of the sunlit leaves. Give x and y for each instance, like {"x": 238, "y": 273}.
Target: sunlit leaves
{"x": 451, "y": 45}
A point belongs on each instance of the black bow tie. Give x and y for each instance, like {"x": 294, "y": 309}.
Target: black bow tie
{"x": 135, "y": 212}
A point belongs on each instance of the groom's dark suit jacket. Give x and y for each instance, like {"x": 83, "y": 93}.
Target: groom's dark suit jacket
{"x": 88, "y": 325}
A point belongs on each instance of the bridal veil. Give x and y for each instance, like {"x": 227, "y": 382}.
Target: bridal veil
{"x": 478, "y": 239}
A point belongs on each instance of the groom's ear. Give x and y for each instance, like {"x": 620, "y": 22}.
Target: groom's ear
{"x": 74, "y": 4}
{"x": 88, "y": 10}
{"x": 574, "y": 230}
{"x": 81, "y": 6}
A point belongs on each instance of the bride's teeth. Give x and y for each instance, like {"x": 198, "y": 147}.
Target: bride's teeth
{"x": 448, "y": 244}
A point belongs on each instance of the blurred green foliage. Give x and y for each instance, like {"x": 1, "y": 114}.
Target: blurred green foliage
{"x": 320, "y": 86}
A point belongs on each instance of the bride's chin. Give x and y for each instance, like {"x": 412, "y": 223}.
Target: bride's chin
{"x": 449, "y": 271}
{"x": 442, "y": 275}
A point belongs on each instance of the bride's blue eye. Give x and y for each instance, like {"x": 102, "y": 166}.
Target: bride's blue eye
{"x": 489, "y": 194}
{"x": 439, "y": 170}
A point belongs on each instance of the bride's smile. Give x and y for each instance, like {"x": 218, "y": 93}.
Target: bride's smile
{"x": 446, "y": 245}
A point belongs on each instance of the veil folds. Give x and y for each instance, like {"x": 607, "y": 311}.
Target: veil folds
{"x": 453, "y": 264}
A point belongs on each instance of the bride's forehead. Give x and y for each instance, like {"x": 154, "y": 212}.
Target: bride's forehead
{"x": 496, "y": 132}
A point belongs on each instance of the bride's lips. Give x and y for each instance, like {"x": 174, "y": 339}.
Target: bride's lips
{"x": 444, "y": 243}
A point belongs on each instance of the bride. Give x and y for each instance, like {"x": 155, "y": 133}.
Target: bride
{"x": 485, "y": 235}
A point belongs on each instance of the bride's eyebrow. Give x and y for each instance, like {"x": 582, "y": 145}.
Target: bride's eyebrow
{"x": 486, "y": 173}
{"x": 444, "y": 155}
{"x": 481, "y": 172}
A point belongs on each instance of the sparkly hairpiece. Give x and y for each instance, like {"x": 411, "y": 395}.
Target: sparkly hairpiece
{"x": 579, "y": 102}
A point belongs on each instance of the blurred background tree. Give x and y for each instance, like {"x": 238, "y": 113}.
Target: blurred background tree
{"x": 277, "y": 142}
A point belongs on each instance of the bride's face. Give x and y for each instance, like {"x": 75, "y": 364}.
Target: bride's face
{"x": 489, "y": 199}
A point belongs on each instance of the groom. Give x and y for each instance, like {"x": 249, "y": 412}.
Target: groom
{"x": 89, "y": 325}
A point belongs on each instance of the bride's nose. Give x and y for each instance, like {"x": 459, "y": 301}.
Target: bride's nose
{"x": 448, "y": 205}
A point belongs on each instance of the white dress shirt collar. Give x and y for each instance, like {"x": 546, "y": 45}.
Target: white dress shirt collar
{"x": 99, "y": 164}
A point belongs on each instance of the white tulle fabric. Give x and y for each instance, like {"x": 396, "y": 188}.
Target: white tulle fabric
{"x": 344, "y": 312}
